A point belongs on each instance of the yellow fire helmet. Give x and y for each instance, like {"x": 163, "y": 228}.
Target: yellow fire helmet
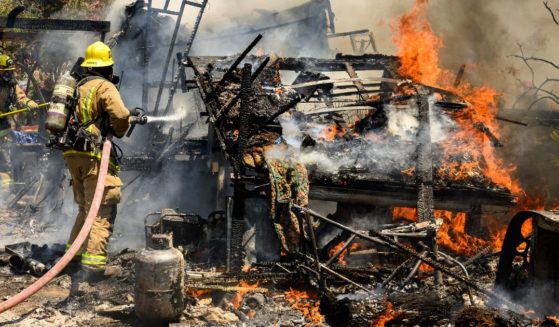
{"x": 97, "y": 55}
{"x": 6, "y": 63}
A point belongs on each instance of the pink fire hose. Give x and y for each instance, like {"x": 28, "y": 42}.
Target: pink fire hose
{"x": 65, "y": 260}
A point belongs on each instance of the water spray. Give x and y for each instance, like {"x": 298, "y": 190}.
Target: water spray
{"x": 138, "y": 117}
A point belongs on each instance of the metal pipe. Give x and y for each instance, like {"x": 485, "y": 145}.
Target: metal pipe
{"x": 395, "y": 271}
{"x": 459, "y": 264}
{"x": 340, "y": 276}
{"x": 80, "y": 239}
{"x": 410, "y": 275}
{"x": 412, "y": 253}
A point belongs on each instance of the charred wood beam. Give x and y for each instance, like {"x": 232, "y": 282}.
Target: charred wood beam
{"x": 14, "y": 13}
{"x": 460, "y": 75}
{"x": 223, "y": 112}
{"x": 212, "y": 102}
{"x": 310, "y": 225}
{"x": 18, "y": 36}
{"x": 56, "y": 24}
{"x": 495, "y": 142}
{"x": 282, "y": 110}
{"x": 425, "y": 201}
{"x": 424, "y": 163}
{"x": 239, "y": 59}
{"x": 406, "y": 196}
{"x": 512, "y": 121}
{"x": 244, "y": 115}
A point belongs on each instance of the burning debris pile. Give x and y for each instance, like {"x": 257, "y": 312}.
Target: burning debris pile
{"x": 354, "y": 191}
{"x": 341, "y": 130}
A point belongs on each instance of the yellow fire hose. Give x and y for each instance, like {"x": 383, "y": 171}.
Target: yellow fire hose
{"x": 22, "y": 110}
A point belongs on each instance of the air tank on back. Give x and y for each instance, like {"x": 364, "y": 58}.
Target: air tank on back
{"x": 57, "y": 114}
{"x": 160, "y": 271}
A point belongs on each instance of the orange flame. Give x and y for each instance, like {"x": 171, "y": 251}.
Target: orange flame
{"x": 244, "y": 289}
{"x": 330, "y": 133}
{"x": 387, "y": 316}
{"x": 305, "y": 303}
{"x": 426, "y": 268}
{"x": 452, "y": 235}
{"x": 418, "y": 50}
{"x": 341, "y": 257}
{"x": 409, "y": 214}
{"x": 196, "y": 293}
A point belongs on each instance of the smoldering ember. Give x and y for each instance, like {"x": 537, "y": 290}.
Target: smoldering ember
{"x": 297, "y": 163}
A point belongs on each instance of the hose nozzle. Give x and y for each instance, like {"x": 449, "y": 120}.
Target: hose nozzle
{"x": 139, "y": 120}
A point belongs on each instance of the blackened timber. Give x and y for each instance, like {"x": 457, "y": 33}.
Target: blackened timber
{"x": 244, "y": 115}
{"x": 460, "y": 75}
{"x": 392, "y": 194}
{"x": 282, "y": 110}
{"x": 239, "y": 59}
{"x": 424, "y": 163}
{"x": 17, "y": 36}
{"x": 212, "y": 103}
{"x": 425, "y": 205}
{"x": 56, "y": 24}
{"x": 495, "y": 142}
{"x": 222, "y": 113}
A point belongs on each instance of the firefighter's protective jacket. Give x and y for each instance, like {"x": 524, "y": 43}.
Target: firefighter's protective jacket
{"x": 12, "y": 95}
{"x": 100, "y": 97}
{"x": 100, "y": 101}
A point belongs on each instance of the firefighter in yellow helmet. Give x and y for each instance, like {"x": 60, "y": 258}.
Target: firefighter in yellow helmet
{"x": 99, "y": 111}
{"x": 11, "y": 97}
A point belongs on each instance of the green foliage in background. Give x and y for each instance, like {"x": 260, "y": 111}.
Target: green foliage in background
{"x": 67, "y": 9}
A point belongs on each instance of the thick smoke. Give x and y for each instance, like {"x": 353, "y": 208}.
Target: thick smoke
{"x": 385, "y": 152}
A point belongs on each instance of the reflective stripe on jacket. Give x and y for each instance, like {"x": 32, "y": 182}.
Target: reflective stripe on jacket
{"x": 97, "y": 97}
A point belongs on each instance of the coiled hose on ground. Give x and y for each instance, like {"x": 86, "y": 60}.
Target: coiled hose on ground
{"x": 65, "y": 260}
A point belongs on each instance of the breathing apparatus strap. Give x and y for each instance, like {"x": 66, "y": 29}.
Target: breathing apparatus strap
{"x": 85, "y": 142}
{"x": 86, "y": 120}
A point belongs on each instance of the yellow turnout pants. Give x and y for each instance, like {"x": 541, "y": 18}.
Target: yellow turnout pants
{"x": 84, "y": 172}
